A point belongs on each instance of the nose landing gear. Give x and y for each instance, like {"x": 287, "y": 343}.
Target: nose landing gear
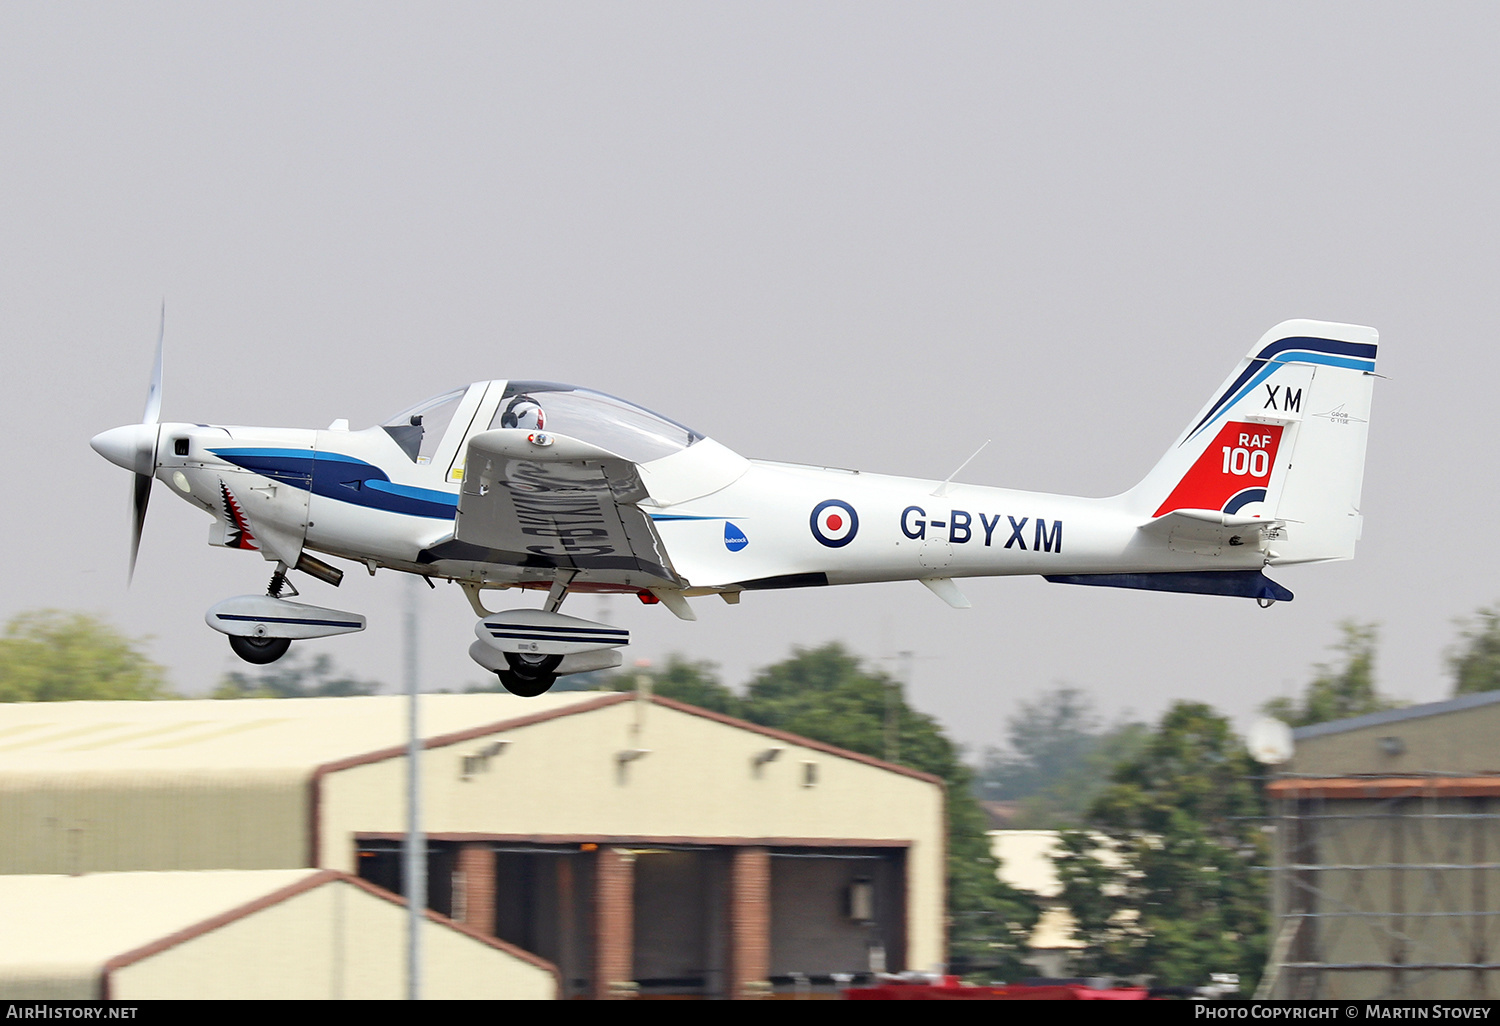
{"x": 259, "y": 651}
{"x": 262, "y": 627}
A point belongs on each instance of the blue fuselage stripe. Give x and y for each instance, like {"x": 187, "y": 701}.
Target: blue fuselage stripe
{"x": 344, "y": 479}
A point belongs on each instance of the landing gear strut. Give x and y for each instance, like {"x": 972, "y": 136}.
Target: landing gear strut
{"x": 553, "y": 644}
{"x": 258, "y": 650}
{"x": 262, "y": 627}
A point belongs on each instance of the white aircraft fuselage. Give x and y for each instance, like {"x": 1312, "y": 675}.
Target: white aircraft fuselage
{"x": 538, "y": 485}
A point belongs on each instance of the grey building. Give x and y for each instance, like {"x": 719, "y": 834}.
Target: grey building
{"x": 1387, "y": 856}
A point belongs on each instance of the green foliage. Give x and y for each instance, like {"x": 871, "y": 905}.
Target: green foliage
{"x": 293, "y": 676}
{"x": 696, "y": 683}
{"x": 1045, "y": 738}
{"x": 1475, "y": 661}
{"x": 1163, "y": 880}
{"x": 53, "y": 656}
{"x": 1057, "y": 761}
{"x": 1338, "y": 692}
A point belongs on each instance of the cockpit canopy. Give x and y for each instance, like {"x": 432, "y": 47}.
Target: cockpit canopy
{"x": 612, "y": 424}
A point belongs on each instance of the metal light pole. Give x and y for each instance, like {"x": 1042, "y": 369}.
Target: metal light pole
{"x": 414, "y": 851}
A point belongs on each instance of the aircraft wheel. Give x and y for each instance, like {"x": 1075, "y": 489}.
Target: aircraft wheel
{"x": 529, "y": 675}
{"x": 259, "y": 650}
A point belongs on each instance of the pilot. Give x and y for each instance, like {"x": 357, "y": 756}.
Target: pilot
{"x": 524, "y": 412}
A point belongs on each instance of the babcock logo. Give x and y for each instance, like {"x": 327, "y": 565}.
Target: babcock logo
{"x": 834, "y": 523}
{"x": 734, "y": 538}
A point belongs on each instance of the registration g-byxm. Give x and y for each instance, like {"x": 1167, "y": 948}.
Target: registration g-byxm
{"x": 534, "y": 485}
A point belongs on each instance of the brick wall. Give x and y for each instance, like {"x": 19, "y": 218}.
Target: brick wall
{"x": 750, "y": 923}
{"x": 614, "y": 923}
{"x": 476, "y": 882}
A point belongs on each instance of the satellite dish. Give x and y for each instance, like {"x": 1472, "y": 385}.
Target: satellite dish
{"x": 1270, "y": 741}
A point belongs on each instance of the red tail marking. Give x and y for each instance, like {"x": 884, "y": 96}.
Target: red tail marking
{"x": 1240, "y": 456}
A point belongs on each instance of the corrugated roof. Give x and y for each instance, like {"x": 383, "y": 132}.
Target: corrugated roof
{"x": 72, "y": 925}
{"x": 1411, "y": 712}
{"x": 294, "y": 734}
{"x": 272, "y": 738}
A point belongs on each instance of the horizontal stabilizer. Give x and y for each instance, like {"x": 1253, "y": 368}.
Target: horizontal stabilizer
{"x": 1212, "y": 517}
{"x": 1212, "y": 532}
{"x": 1239, "y": 583}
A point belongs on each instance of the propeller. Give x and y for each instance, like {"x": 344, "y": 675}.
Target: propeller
{"x": 133, "y": 447}
{"x": 150, "y": 416}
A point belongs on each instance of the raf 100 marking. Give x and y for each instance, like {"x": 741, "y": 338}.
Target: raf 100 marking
{"x": 1250, "y": 457}
{"x": 961, "y": 530}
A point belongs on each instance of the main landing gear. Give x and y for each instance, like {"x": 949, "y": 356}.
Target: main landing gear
{"x": 528, "y": 649}
{"x": 529, "y": 674}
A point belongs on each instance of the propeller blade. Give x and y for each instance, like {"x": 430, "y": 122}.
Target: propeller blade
{"x": 153, "y": 394}
{"x": 152, "y": 416}
{"x": 142, "y": 497}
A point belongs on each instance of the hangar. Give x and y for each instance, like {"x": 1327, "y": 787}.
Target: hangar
{"x": 246, "y": 933}
{"x": 1387, "y": 860}
{"x": 637, "y": 844}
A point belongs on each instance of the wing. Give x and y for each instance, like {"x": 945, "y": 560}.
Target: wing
{"x": 549, "y": 503}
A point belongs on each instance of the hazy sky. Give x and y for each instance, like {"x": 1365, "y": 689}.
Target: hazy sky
{"x": 862, "y": 234}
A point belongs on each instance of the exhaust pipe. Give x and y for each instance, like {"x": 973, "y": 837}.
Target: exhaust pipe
{"x": 315, "y": 567}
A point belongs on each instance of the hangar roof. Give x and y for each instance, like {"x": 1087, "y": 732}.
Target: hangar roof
{"x": 1411, "y": 712}
{"x": 74, "y": 937}
{"x": 293, "y": 734}
{"x": 1453, "y": 739}
{"x": 290, "y": 733}
{"x": 124, "y": 911}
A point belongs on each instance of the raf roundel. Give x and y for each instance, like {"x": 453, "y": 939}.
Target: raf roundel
{"x": 834, "y": 523}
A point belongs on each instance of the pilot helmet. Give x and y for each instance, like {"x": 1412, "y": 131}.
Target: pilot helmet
{"x": 524, "y": 412}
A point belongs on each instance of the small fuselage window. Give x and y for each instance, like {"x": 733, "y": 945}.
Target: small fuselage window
{"x": 419, "y": 429}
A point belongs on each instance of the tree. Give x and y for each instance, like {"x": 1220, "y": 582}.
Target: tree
{"x": 1338, "y": 692}
{"x": 53, "y": 656}
{"x": 696, "y": 683}
{"x": 1164, "y": 881}
{"x": 1475, "y": 661}
{"x": 825, "y": 694}
{"x": 1057, "y": 761}
{"x": 294, "y": 677}
{"x": 1046, "y": 738}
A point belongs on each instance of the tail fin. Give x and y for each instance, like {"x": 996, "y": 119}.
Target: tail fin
{"x": 1283, "y": 439}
